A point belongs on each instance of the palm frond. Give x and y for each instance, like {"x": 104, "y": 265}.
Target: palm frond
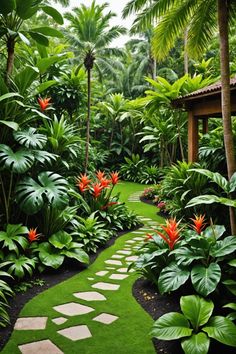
{"x": 132, "y": 7}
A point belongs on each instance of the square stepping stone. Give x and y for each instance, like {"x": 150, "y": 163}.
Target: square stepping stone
{"x": 105, "y": 318}
{"x": 59, "y": 320}
{"x": 112, "y": 261}
{"x": 90, "y": 278}
{"x": 117, "y": 256}
{"x": 90, "y": 296}
{"x": 76, "y": 332}
{"x": 131, "y": 258}
{"x": 124, "y": 252}
{"x": 130, "y": 241}
{"x": 42, "y": 346}
{"x": 125, "y": 270}
{"x": 30, "y": 323}
{"x": 118, "y": 276}
{"x": 105, "y": 286}
{"x": 73, "y": 309}
{"x": 139, "y": 238}
{"x": 102, "y": 273}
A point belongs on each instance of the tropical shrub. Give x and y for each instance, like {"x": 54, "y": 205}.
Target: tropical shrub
{"x": 150, "y": 175}
{"x": 132, "y": 169}
{"x": 5, "y": 292}
{"x": 90, "y": 232}
{"x": 195, "y": 325}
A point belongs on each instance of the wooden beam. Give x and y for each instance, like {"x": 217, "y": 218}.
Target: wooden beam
{"x": 192, "y": 137}
{"x": 204, "y": 125}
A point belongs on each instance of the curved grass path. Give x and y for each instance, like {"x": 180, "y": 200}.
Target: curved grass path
{"x": 115, "y": 323}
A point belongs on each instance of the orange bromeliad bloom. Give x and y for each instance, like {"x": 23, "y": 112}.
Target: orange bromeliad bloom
{"x": 82, "y": 182}
{"x": 44, "y": 103}
{"x": 114, "y": 177}
{"x": 100, "y": 175}
{"x": 172, "y": 233}
{"x": 32, "y": 235}
{"x": 104, "y": 182}
{"x": 97, "y": 189}
{"x": 199, "y": 223}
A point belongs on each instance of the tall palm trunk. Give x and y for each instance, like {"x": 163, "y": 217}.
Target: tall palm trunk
{"x": 223, "y": 20}
{"x": 10, "y": 58}
{"x": 88, "y": 120}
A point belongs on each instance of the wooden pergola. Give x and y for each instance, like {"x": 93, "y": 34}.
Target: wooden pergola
{"x": 201, "y": 105}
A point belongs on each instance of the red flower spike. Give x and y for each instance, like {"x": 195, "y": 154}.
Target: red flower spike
{"x": 105, "y": 182}
{"x": 82, "y": 187}
{"x": 44, "y": 103}
{"x": 172, "y": 233}
{"x": 148, "y": 238}
{"x": 32, "y": 235}
{"x": 199, "y": 223}
{"x": 114, "y": 177}
{"x": 100, "y": 175}
{"x": 84, "y": 179}
{"x": 97, "y": 189}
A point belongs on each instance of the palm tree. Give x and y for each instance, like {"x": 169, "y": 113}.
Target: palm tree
{"x": 201, "y": 18}
{"x": 13, "y": 15}
{"x": 90, "y": 35}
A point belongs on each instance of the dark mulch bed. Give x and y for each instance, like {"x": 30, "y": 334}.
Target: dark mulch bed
{"x": 51, "y": 278}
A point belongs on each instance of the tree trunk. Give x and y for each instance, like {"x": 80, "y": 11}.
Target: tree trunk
{"x": 186, "y": 52}
{"x": 10, "y": 58}
{"x": 223, "y": 23}
{"x": 88, "y": 121}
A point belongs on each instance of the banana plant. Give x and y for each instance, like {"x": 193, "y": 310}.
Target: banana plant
{"x": 195, "y": 325}
{"x": 13, "y": 17}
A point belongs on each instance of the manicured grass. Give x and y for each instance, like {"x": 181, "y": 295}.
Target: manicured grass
{"x": 128, "y": 335}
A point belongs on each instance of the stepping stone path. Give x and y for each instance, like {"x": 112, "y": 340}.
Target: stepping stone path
{"x": 115, "y": 269}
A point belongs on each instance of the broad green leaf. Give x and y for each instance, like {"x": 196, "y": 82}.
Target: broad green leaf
{"x": 185, "y": 256}
{"x": 231, "y": 305}
{"x": 18, "y": 162}
{"x": 232, "y": 263}
{"x": 7, "y": 6}
{"x": 224, "y": 247}
{"x": 26, "y": 77}
{"x": 39, "y": 38}
{"x": 23, "y": 38}
{"x": 51, "y": 11}
{"x": 205, "y": 279}
{"x": 232, "y": 183}
{"x": 10, "y": 124}
{"x": 210, "y": 199}
{"x": 214, "y": 232}
{"x": 172, "y": 277}
{"x": 230, "y": 285}
{"x": 198, "y": 344}
{"x": 196, "y": 309}
{"x": 25, "y": 9}
{"x": 171, "y": 326}
{"x": 51, "y": 189}
{"x": 77, "y": 254}
{"x": 48, "y": 31}
{"x": 214, "y": 177}
{"x": 221, "y": 329}
{"x": 60, "y": 239}
{"x": 9, "y": 95}
{"x": 30, "y": 138}
{"x": 45, "y": 85}
{"x": 44, "y": 63}
{"x": 49, "y": 256}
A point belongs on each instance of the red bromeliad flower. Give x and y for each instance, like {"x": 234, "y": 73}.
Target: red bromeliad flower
{"x": 199, "y": 223}
{"x": 32, "y": 235}
{"x": 97, "y": 189}
{"x": 100, "y": 175}
{"x": 105, "y": 182}
{"x": 172, "y": 232}
{"x": 82, "y": 182}
{"x": 114, "y": 177}
{"x": 82, "y": 187}
{"x": 148, "y": 238}
{"x": 44, "y": 103}
{"x": 108, "y": 205}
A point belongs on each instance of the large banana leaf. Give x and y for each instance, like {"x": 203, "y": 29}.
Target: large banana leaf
{"x": 30, "y": 139}
{"x": 18, "y": 162}
{"x": 51, "y": 188}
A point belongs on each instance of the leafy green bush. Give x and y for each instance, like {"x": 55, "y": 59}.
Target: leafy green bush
{"x": 5, "y": 291}
{"x": 150, "y": 175}
{"x": 195, "y": 325}
{"x": 132, "y": 169}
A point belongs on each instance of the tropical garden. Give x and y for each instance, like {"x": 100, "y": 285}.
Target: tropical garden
{"x": 94, "y": 160}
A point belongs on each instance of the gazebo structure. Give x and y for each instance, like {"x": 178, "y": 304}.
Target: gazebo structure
{"x": 201, "y": 105}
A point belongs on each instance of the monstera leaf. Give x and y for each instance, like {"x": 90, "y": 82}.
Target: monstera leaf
{"x": 30, "y": 139}
{"x": 51, "y": 188}
{"x": 18, "y": 162}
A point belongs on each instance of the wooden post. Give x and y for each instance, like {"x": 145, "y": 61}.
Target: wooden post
{"x": 192, "y": 137}
{"x": 205, "y": 125}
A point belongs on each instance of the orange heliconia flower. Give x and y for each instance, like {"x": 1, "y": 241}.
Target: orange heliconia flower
{"x": 97, "y": 189}
{"x": 172, "y": 232}
{"x": 44, "y": 103}
{"x": 114, "y": 177}
{"x": 32, "y": 235}
{"x": 199, "y": 223}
